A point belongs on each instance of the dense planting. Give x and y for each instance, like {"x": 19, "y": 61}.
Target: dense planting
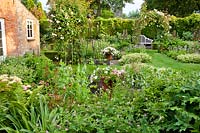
{"x": 74, "y": 89}
{"x": 142, "y": 98}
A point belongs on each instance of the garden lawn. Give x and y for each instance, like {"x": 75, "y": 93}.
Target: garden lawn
{"x": 161, "y": 60}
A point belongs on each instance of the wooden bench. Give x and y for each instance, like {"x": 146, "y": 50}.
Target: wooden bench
{"x": 147, "y": 42}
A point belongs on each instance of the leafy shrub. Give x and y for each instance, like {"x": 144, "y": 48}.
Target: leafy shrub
{"x": 168, "y": 42}
{"x": 166, "y": 99}
{"x": 30, "y": 68}
{"x": 186, "y": 24}
{"x": 189, "y": 58}
{"x": 52, "y": 55}
{"x": 135, "y": 58}
{"x": 107, "y": 14}
{"x": 193, "y": 47}
{"x": 188, "y": 36}
{"x": 17, "y": 67}
{"x": 113, "y": 26}
{"x": 173, "y": 54}
{"x": 137, "y": 50}
{"x": 41, "y": 65}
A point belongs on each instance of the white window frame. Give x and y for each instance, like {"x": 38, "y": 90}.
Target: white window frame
{"x": 3, "y": 39}
{"x": 29, "y": 29}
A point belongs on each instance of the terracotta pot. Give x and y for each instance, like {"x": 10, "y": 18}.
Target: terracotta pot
{"x": 109, "y": 56}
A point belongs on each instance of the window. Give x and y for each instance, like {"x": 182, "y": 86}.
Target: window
{"x": 29, "y": 26}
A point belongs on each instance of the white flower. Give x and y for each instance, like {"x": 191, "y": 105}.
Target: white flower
{"x": 57, "y": 21}
{"x": 50, "y": 20}
{"x": 159, "y": 13}
{"x": 62, "y": 37}
{"x": 52, "y": 15}
{"x": 53, "y": 34}
{"x": 110, "y": 50}
{"x": 59, "y": 28}
{"x": 66, "y": 15}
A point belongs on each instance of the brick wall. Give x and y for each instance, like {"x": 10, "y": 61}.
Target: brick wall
{"x": 24, "y": 44}
{"x": 15, "y": 14}
{"x": 8, "y": 13}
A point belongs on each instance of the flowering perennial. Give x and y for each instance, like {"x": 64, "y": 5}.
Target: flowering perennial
{"x": 107, "y": 72}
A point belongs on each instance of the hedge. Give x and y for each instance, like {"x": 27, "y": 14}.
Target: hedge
{"x": 186, "y": 24}
{"x": 112, "y": 26}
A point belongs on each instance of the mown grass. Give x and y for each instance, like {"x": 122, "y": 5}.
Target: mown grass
{"x": 161, "y": 60}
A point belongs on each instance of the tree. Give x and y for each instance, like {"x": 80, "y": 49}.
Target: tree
{"x": 98, "y": 5}
{"x": 134, "y": 14}
{"x": 178, "y": 8}
{"x": 113, "y": 4}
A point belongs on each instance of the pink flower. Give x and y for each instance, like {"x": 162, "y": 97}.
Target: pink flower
{"x": 26, "y": 87}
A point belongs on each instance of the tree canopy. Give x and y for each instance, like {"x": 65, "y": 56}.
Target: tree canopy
{"x": 98, "y": 5}
{"x": 178, "y": 8}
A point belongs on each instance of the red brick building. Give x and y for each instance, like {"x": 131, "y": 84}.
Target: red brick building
{"x": 19, "y": 30}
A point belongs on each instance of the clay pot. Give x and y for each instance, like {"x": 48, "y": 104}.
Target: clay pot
{"x": 109, "y": 56}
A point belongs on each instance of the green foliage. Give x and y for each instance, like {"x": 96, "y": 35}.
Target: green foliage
{"x": 162, "y": 60}
{"x": 30, "y": 68}
{"x": 144, "y": 99}
{"x": 183, "y": 8}
{"x": 121, "y": 41}
{"x": 186, "y": 24}
{"x": 114, "y": 5}
{"x": 45, "y": 35}
{"x": 113, "y": 26}
{"x": 154, "y": 23}
{"x": 52, "y": 55}
{"x": 70, "y": 85}
{"x": 67, "y": 21}
{"x": 68, "y": 25}
{"x": 173, "y": 54}
{"x": 107, "y": 14}
{"x": 168, "y": 42}
{"x": 103, "y": 115}
{"x": 31, "y": 118}
{"x": 135, "y": 58}
{"x": 17, "y": 67}
{"x": 187, "y": 36}
{"x": 41, "y": 65}
{"x": 134, "y": 14}
{"x": 137, "y": 50}
{"x": 189, "y": 58}
{"x": 36, "y": 8}
{"x": 164, "y": 99}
